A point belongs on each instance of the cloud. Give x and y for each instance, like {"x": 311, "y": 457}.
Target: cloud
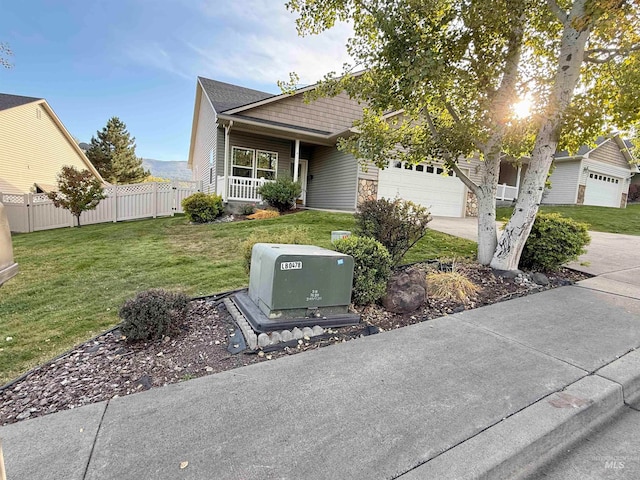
{"x": 251, "y": 42}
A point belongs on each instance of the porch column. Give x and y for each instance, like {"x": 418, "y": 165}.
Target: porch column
{"x": 225, "y": 192}
{"x": 296, "y": 162}
{"x": 518, "y": 179}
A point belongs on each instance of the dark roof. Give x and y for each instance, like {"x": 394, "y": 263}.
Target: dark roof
{"x": 280, "y": 124}
{"x": 10, "y": 101}
{"x": 225, "y": 96}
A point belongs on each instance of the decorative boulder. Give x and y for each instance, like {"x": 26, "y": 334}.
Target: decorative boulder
{"x": 406, "y": 291}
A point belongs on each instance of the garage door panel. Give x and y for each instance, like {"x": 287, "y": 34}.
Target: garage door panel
{"x": 444, "y": 196}
{"x": 602, "y": 190}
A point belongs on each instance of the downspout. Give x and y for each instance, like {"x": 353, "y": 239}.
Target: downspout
{"x": 225, "y": 192}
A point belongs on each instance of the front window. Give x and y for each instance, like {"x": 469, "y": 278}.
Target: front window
{"x": 250, "y": 163}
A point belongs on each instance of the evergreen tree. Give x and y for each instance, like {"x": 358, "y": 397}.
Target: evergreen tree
{"x": 113, "y": 154}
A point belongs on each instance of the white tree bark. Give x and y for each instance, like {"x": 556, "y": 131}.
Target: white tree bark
{"x": 511, "y": 243}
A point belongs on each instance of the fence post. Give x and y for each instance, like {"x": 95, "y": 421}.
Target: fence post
{"x": 28, "y": 198}
{"x": 154, "y": 202}
{"x": 114, "y": 205}
{"x": 174, "y": 197}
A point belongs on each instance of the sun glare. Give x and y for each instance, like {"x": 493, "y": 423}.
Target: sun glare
{"x": 522, "y": 109}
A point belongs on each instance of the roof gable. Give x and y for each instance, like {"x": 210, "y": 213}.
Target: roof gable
{"x": 225, "y": 96}
{"x": 9, "y": 101}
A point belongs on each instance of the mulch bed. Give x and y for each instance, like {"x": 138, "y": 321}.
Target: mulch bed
{"x": 109, "y": 367}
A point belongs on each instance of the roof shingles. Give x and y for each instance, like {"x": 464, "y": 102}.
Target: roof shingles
{"x": 225, "y": 96}
{"x": 9, "y": 101}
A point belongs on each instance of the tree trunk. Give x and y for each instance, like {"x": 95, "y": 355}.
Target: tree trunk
{"x": 78, "y": 217}
{"x": 514, "y": 237}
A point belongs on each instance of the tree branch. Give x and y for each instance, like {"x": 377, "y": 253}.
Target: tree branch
{"x": 557, "y": 11}
{"x": 461, "y": 175}
{"x": 592, "y": 55}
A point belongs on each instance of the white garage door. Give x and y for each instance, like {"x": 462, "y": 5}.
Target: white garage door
{"x": 602, "y": 190}
{"x": 423, "y": 184}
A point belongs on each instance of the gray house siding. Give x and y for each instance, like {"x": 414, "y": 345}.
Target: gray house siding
{"x": 333, "y": 180}
{"x": 564, "y": 183}
{"x": 205, "y": 144}
{"x": 259, "y": 142}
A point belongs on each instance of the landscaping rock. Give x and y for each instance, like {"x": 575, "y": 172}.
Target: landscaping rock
{"x": 540, "y": 278}
{"x": 263, "y": 340}
{"x": 286, "y": 336}
{"x": 511, "y": 274}
{"x": 406, "y": 291}
{"x": 317, "y": 330}
{"x": 297, "y": 333}
{"x": 275, "y": 338}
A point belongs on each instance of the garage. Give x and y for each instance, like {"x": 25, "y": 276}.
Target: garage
{"x": 602, "y": 190}
{"x": 425, "y": 185}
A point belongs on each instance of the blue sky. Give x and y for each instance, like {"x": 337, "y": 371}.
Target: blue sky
{"x": 139, "y": 59}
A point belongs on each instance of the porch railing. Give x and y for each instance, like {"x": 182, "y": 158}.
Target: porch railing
{"x": 506, "y": 192}
{"x": 242, "y": 188}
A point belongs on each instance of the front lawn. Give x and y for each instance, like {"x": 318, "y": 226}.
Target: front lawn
{"x": 73, "y": 281}
{"x": 599, "y": 219}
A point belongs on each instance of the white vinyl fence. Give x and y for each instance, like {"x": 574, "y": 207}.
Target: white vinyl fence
{"x": 34, "y": 211}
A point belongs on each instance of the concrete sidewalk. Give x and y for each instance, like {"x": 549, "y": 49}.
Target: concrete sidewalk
{"x": 489, "y": 391}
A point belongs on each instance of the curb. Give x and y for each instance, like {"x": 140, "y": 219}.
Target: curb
{"x": 521, "y": 443}
{"x": 626, "y": 372}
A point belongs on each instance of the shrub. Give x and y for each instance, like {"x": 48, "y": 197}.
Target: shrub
{"x": 553, "y": 241}
{"x": 247, "y": 209}
{"x": 153, "y": 314}
{"x": 634, "y": 192}
{"x": 291, "y": 235}
{"x": 281, "y": 194}
{"x": 202, "y": 208}
{"x": 397, "y": 224}
{"x": 450, "y": 286}
{"x": 372, "y": 267}
{"x": 263, "y": 214}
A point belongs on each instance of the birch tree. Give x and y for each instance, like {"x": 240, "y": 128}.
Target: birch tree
{"x": 439, "y": 79}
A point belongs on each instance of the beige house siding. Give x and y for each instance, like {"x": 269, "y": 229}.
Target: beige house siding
{"x": 205, "y": 145}
{"x": 333, "y": 180}
{"x": 328, "y": 114}
{"x": 609, "y": 153}
{"x": 564, "y": 183}
{"x": 33, "y": 149}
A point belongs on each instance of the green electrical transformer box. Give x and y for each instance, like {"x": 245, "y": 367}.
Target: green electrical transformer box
{"x": 299, "y": 280}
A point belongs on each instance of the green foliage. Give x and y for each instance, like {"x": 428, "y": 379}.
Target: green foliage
{"x": 113, "y": 154}
{"x": 281, "y": 194}
{"x": 153, "y": 314}
{"x": 554, "y": 240}
{"x": 202, "y": 208}
{"x": 634, "y": 192}
{"x": 5, "y": 52}
{"x": 397, "y": 224}
{"x": 372, "y": 267}
{"x": 78, "y": 191}
{"x": 247, "y": 209}
{"x": 296, "y": 235}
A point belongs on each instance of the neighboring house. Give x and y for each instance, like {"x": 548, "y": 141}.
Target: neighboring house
{"x": 241, "y": 138}
{"x": 598, "y": 175}
{"x": 34, "y": 146}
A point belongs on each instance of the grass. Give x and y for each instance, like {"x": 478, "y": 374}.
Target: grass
{"x": 599, "y": 219}
{"x": 73, "y": 281}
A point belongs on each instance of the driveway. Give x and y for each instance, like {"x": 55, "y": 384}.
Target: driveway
{"x": 609, "y": 256}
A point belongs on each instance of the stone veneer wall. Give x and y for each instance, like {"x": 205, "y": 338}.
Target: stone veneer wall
{"x": 581, "y": 189}
{"x": 471, "y": 209}
{"x": 367, "y": 190}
